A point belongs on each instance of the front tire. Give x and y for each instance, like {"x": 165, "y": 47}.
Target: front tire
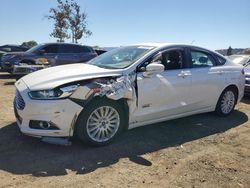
{"x": 226, "y": 102}
{"x": 100, "y": 122}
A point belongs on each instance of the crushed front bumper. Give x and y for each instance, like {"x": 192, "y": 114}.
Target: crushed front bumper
{"x": 61, "y": 114}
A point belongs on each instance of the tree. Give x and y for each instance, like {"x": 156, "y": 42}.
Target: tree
{"x": 229, "y": 51}
{"x": 61, "y": 25}
{"x": 78, "y": 23}
{"x": 67, "y": 16}
{"x": 29, "y": 44}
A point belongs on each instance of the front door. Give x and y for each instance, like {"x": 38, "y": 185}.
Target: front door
{"x": 167, "y": 93}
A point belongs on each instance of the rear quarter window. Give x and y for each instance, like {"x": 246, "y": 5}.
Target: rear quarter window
{"x": 85, "y": 49}
{"x": 52, "y": 48}
{"x": 220, "y": 60}
{"x": 68, "y": 48}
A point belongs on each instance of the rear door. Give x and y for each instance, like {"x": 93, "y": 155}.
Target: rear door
{"x": 207, "y": 79}
{"x": 51, "y": 53}
{"x": 86, "y": 53}
{"x": 68, "y": 54}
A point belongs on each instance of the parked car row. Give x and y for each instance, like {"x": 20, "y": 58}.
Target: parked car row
{"x": 11, "y": 48}
{"x": 46, "y": 55}
{"x": 245, "y": 61}
{"x": 240, "y": 59}
{"x": 122, "y": 89}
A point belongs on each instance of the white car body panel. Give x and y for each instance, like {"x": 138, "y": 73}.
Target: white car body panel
{"x": 163, "y": 96}
{"x": 58, "y": 75}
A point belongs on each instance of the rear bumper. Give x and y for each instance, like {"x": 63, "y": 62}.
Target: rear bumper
{"x": 21, "y": 69}
{"x": 26, "y": 69}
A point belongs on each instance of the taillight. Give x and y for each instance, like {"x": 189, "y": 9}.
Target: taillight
{"x": 243, "y": 71}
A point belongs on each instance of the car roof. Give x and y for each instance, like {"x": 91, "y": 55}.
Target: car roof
{"x": 62, "y": 43}
{"x": 165, "y": 44}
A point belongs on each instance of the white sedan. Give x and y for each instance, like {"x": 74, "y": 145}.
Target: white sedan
{"x": 125, "y": 88}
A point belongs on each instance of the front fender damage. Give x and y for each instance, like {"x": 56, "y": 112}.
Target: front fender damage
{"x": 115, "y": 88}
{"x": 123, "y": 87}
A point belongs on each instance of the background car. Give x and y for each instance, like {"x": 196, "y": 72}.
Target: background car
{"x": 10, "y": 48}
{"x": 100, "y": 51}
{"x": 45, "y": 55}
{"x": 240, "y": 59}
{"x": 13, "y": 48}
{"x": 247, "y": 77}
{"x": 245, "y": 61}
{"x": 125, "y": 88}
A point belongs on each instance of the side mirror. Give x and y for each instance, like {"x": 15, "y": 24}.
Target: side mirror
{"x": 41, "y": 52}
{"x": 153, "y": 68}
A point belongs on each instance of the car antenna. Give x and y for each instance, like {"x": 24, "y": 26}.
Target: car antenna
{"x": 193, "y": 41}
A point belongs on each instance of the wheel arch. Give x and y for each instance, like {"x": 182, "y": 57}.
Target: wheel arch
{"x": 234, "y": 88}
{"x": 122, "y": 102}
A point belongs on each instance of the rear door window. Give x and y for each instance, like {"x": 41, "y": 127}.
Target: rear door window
{"x": 66, "y": 49}
{"x": 73, "y": 49}
{"x": 53, "y": 48}
{"x": 201, "y": 59}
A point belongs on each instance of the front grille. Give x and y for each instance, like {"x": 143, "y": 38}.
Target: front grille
{"x": 17, "y": 116}
{"x": 19, "y": 102}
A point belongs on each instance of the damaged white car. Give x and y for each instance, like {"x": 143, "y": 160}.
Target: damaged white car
{"x": 125, "y": 88}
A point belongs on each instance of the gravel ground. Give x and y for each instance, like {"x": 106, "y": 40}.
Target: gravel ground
{"x": 198, "y": 151}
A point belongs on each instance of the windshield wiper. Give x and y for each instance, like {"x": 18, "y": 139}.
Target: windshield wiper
{"x": 105, "y": 67}
{"x": 246, "y": 64}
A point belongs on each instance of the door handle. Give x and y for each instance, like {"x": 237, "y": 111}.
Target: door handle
{"x": 218, "y": 72}
{"x": 184, "y": 74}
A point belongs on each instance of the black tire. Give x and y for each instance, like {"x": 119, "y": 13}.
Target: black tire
{"x": 81, "y": 125}
{"x": 219, "y": 107}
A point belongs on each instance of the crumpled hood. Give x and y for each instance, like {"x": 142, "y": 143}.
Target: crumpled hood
{"x": 50, "y": 78}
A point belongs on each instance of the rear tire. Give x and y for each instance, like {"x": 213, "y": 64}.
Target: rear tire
{"x": 100, "y": 122}
{"x": 226, "y": 102}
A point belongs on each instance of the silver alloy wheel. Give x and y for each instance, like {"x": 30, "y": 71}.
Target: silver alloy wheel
{"x": 103, "y": 123}
{"x": 228, "y": 101}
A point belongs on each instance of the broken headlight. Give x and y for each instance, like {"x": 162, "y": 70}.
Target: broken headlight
{"x": 57, "y": 93}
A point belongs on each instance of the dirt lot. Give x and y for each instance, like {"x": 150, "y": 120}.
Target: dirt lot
{"x": 198, "y": 151}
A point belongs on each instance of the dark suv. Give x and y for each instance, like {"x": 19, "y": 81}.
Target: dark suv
{"x": 45, "y": 55}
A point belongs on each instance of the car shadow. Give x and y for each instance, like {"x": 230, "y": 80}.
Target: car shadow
{"x": 9, "y": 83}
{"x": 21, "y": 154}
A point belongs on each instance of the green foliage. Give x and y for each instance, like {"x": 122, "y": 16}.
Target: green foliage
{"x": 68, "y": 17}
{"x": 229, "y": 51}
{"x": 29, "y": 44}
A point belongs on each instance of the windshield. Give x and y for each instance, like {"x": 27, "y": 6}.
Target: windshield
{"x": 35, "y": 48}
{"x": 120, "y": 58}
{"x": 239, "y": 59}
